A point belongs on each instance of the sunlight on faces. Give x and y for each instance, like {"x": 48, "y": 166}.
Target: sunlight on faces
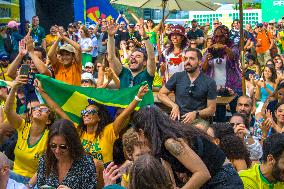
{"x": 136, "y": 61}
{"x": 40, "y": 113}
{"x": 267, "y": 73}
{"x": 191, "y": 62}
{"x": 176, "y": 38}
{"x": 91, "y": 118}
{"x": 66, "y": 57}
{"x": 279, "y": 114}
{"x": 59, "y": 147}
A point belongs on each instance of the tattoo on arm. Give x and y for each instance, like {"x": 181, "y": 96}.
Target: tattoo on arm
{"x": 175, "y": 147}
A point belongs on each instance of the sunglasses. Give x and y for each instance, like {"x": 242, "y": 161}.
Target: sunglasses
{"x": 191, "y": 88}
{"x": 92, "y": 112}
{"x": 37, "y": 108}
{"x": 215, "y": 23}
{"x": 85, "y": 81}
{"x": 60, "y": 146}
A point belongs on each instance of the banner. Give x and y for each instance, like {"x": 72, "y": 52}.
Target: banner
{"x": 9, "y": 10}
{"x": 272, "y": 9}
{"x": 99, "y": 9}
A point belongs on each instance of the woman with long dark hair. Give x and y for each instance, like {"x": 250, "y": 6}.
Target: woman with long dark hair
{"x": 32, "y": 133}
{"x": 173, "y": 55}
{"x": 65, "y": 163}
{"x": 98, "y": 131}
{"x": 186, "y": 149}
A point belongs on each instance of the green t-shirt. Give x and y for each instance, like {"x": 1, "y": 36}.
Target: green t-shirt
{"x": 127, "y": 80}
{"x": 253, "y": 179}
{"x": 152, "y": 37}
{"x": 38, "y": 34}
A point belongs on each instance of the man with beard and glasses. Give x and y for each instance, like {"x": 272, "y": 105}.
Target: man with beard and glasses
{"x": 142, "y": 66}
{"x": 245, "y": 106}
{"x": 270, "y": 173}
{"x": 195, "y": 93}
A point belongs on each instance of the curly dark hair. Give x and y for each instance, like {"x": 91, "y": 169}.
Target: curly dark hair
{"x": 222, "y": 129}
{"x": 182, "y": 46}
{"x": 234, "y": 148}
{"x": 141, "y": 179}
{"x": 225, "y": 30}
{"x": 105, "y": 119}
{"x": 66, "y": 129}
{"x": 158, "y": 127}
{"x": 273, "y": 145}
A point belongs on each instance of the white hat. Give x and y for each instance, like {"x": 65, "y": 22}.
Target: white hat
{"x": 89, "y": 64}
{"x": 272, "y": 21}
{"x": 89, "y": 76}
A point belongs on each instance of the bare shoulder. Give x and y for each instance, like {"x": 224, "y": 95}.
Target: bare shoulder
{"x": 175, "y": 147}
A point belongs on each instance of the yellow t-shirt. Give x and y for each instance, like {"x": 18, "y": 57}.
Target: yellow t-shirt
{"x": 50, "y": 39}
{"x": 27, "y": 156}
{"x": 100, "y": 147}
{"x": 253, "y": 179}
{"x": 158, "y": 80}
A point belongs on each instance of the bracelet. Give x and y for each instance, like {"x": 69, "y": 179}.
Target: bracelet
{"x": 137, "y": 99}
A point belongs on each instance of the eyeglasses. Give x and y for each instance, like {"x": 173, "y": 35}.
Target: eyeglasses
{"x": 92, "y": 112}
{"x": 60, "y": 146}
{"x": 191, "y": 88}
{"x": 36, "y": 108}
{"x": 215, "y": 23}
{"x": 85, "y": 81}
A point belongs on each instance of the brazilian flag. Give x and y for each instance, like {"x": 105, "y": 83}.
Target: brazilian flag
{"x": 73, "y": 99}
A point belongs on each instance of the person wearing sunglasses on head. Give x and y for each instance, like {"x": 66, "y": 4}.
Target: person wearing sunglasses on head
{"x": 65, "y": 164}
{"x": 97, "y": 130}
{"x": 32, "y": 134}
{"x": 195, "y": 93}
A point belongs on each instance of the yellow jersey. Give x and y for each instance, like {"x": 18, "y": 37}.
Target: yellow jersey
{"x": 26, "y": 155}
{"x": 253, "y": 179}
{"x": 100, "y": 147}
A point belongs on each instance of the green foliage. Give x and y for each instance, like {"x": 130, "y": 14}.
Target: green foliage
{"x": 248, "y": 6}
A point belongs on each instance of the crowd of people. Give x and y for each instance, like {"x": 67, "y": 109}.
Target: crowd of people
{"x": 189, "y": 139}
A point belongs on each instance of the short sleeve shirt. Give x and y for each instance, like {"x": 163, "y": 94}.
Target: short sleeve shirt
{"x": 192, "y": 98}
{"x": 127, "y": 80}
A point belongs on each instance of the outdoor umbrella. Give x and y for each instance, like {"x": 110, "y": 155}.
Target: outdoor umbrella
{"x": 190, "y": 5}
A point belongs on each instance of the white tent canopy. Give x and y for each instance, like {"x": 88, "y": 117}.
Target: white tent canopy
{"x": 191, "y": 5}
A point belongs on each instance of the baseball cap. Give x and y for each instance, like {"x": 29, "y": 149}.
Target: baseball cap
{"x": 67, "y": 47}
{"x": 259, "y": 25}
{"x": 131, "y": 25}
{"x": 89, "y": 64}
{"x": 91, "y": 27}
{"x": 86, "y": 76}
{"x": 13, "y": 24}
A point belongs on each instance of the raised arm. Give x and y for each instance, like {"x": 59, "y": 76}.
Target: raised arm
{"x": 118, "y": 123}
{"x": 158, "y": 27}
{"x": 13, "y": 118}
{"x": 133, "y": 15}
{"x": 151, "y": 64}
{"x": 41, "y": 67}
{"x": 53, "y": 105}
{"x": 180, "y": 149}
{"x": 52, "y": 51}
{"x": 112, "y": 59}
{"x": 12, "y": 69}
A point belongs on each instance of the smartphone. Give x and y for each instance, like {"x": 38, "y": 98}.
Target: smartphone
{"x": 25, "y": 69}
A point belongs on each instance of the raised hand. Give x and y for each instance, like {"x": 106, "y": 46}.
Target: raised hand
{"x": 141, "y": 28}
{"x": 142, "y": 91}
{"x": 110, "y": 174}
{"x": 21, "y": 80}
{"x": 29, "y": 44}
{"x": 112, "y": 29}
{"x": 22, "y": 48}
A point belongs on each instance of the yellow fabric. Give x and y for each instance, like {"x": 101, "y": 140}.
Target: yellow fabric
{"x": 7, "y": 78}
{"x": 100, "y": 147}
{"x": 125, "y": 178}
{"x": 158, "y": 80}
{"x": 253, "y": 179}
{"x": 50, "y": 39}
{"x": 27, "y": 156}
{"x": 2, "y": 103}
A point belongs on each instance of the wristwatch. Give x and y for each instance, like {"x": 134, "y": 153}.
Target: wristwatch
{"x": 145, "y": 38}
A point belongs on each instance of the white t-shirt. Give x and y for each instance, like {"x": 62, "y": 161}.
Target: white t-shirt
{"x": 15, "y": 185}
{"x": 220, "y": 71}
{"x": 174, "y": 63}
{"x": 85, "y": 44}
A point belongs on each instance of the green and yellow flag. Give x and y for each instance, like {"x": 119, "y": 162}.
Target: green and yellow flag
{"x": 73, "y": 99}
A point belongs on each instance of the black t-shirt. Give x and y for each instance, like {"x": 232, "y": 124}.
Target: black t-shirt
{"x": 121, "y": 35}
{"x": 192, "y": 98}
{"x": 194, "y": 35}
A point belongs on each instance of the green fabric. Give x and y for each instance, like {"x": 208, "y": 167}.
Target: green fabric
{"x": 152, "y": 37}
{"x": 86, "y": 58}
{"x": 38, "y": 34}
{"x": 3, "y": 83}
{"x": 73, "y": 99}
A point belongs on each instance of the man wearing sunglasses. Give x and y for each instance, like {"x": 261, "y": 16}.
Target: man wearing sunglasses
{"x": 195, "y": 93}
